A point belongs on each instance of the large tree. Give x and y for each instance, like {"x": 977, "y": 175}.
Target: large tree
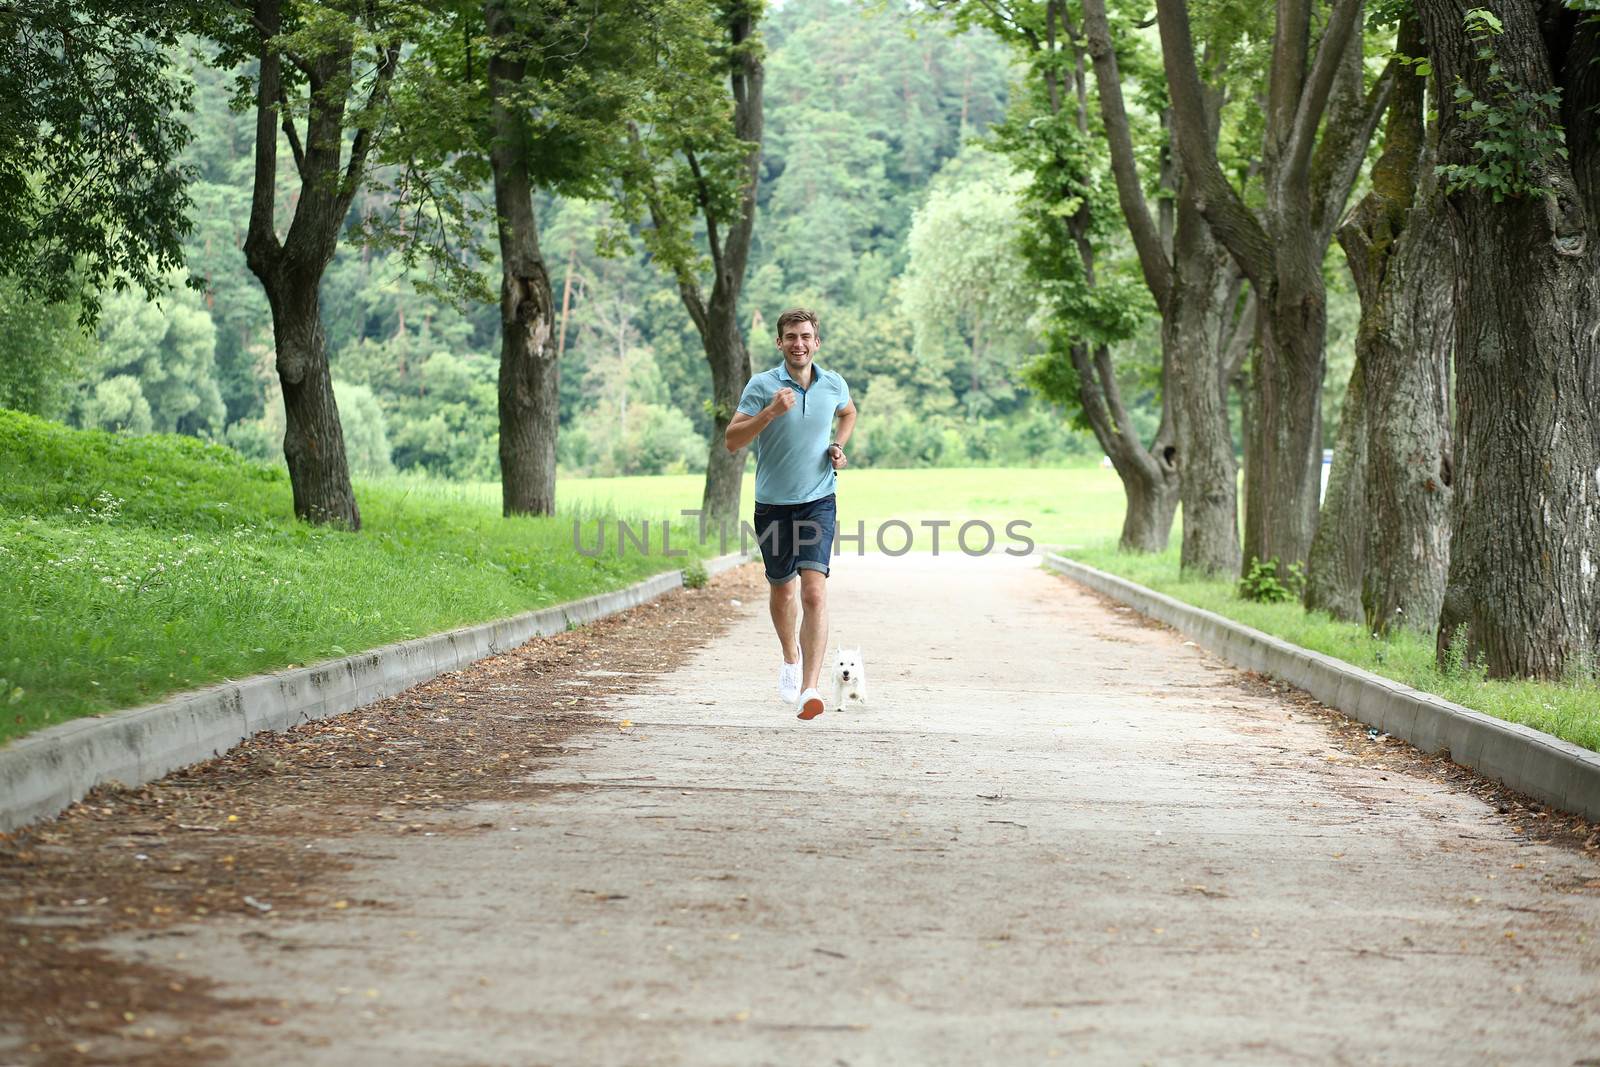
{"x": 529, "y": 373}
{"x": 1383, "y": 544}
{"x": 1519, "y": 148}
{"x": 1069, "y": 238}
{"x": 322, "y": 72}
{"x": 532, "y": 96}
{"x": 1318, "y": 119}
{"x": 558, "y": 80}
{"x": 698, "y": 163}
{"x": 1196, "y": 291}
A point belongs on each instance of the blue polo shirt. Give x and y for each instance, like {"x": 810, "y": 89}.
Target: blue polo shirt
{"x": 792, "y": 465}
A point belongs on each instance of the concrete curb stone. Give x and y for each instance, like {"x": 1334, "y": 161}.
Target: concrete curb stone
{"x": 1529, "y": 761}
{"x": 44, "y": 772}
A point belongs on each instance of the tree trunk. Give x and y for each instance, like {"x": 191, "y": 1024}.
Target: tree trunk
{"x": 1283, "y": 458}
{"x": 1147, "y": 522}
{"x": 1526, "y": 524}
{"x": 1187, "y": 275}
{"x": 1338, "y": 551}
{"x": 313, "y": 443}
{"x": 1522, "y": 579}
{"x": 1409, "y": 471}
{"x": 1397, "y": 247}
{"x": 291, "y": 269}
{"x": 1190, "y": 338}
{"x": 1149, "y": 476}
{"x": 530, "y": 373}
{"x": 730, "y": 370}
{"x": 717, "y": 318}
{"x": 1318, "y": 121}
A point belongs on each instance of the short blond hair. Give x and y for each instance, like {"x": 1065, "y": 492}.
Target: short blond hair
{"x": 794, "y": 315}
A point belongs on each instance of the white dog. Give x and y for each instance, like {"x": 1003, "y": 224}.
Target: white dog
{"x": 849, "y": 677}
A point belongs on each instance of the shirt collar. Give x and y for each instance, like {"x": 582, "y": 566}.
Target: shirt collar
{"x": 783, "y": 373}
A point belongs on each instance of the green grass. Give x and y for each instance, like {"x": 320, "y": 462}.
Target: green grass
{"x": 1066, "y": 506}
{"x": 134, "y": 567}
{"x": 1569, "y": 711}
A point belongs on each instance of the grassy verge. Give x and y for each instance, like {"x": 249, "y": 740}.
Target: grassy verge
{"x": 134, "y": 567}
{"x": 1569, "y": 711}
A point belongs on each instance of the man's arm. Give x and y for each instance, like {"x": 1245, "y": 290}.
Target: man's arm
{"x": 742, "y": 428}
{"x": 846, "y": 425}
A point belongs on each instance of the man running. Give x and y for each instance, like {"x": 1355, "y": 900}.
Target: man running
{"x": 789, "y": 413}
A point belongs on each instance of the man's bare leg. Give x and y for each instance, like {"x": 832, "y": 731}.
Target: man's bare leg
{"x": 814, "y": 625}
{"x": 784, "y": 600}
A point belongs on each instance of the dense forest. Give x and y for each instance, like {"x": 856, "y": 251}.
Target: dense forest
{"x": 1205, "y": 240}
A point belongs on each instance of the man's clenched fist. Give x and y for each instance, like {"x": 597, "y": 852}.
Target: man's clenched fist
{"x": 782, "y": 401}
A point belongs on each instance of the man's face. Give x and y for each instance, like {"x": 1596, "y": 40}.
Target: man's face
{"x": 798, "y": 344}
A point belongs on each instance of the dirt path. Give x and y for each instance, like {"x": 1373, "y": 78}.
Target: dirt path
{"x": 1055, "y": 831}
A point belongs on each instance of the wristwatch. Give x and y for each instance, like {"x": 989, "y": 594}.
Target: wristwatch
{"x": 837, "y": 445}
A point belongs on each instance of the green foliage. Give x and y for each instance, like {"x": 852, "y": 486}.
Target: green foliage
{"x": 648, "y": 439}
{"x": 156, "y": 367}
{"x": 138, "y": 566}
{"x": 42, "y": 352}
{"x": 92, "y": 195}
{"x": 447, "y": 426}
{"x": 1265, "y": 585}
{"x": 1387, "y": 14}
{"x": 1052, "y": 375}
{"x": 587, "y": 73}
{"x": 966, "y": 292}
{"x": 686, "y": 171}
{"x": 1457, "y": 666}
{"x": 900, "y": 434}
{"x": 366, "y": 436}
{"x": 827, "y": 202}
{"x": 1067, "y": 201}
{"x": 1068, "y": 209}
{"x": 694, "y": 575}
{"x": 907, "y": 93}
{"x": 1516, "y": 135}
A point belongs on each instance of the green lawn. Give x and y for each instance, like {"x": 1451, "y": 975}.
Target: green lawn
{"x": 134, "y": 567}
{"x": 1071, "y": 506}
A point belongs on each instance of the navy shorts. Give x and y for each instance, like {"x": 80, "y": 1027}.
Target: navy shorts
{"x": 795, "y": 537}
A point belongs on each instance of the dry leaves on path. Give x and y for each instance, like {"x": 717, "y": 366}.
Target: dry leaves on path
{"x": 227, "y": 840}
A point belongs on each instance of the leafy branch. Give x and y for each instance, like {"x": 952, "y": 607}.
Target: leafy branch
{"x": 1515, "y": 130}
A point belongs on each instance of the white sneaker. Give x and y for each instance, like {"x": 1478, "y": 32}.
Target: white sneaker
{"x": 789, "y": 683}
{"x": 811, "y": 704}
